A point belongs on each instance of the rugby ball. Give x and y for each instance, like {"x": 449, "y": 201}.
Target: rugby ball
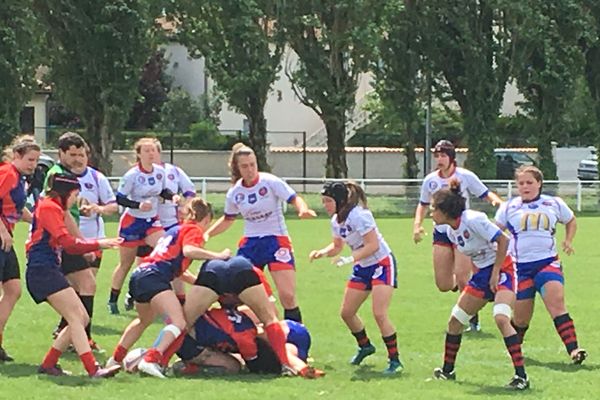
{"x": 132, "y": 360}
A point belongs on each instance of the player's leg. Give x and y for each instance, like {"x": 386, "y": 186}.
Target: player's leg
{"x": 84, "y": 283}
{"x": 132, "y": 333}
{"x": 463, "y": 268}
{"x": 381, "y": 299}
{"x": 126, "y": 258}
{"x": 443, "y": 267}
{"x": 179, "y": 289}
{"x": 285, "y": 282}
{"x": 209, "y": 361}
{"x": 11, "y": 292}
{"x": 352, "y": 301}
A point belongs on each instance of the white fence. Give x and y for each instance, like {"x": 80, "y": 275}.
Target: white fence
{"x": 400, "y": 196}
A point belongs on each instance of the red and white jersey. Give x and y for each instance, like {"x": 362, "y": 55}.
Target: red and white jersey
{"x": 140, "y": 185}
{"x": 260, "y": 205}
{"x": 359, "y": 222}
{"x": 475, "y": 237}
{"x": 470, "y": 185}
{"x": 177, "y": 181}
{"x": 533, "y": 225}
{"x": 95, "y": 189}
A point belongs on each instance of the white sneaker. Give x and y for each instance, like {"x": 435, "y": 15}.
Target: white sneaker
{"x": 153, "y": 369}
{"x": 111, "y": 363}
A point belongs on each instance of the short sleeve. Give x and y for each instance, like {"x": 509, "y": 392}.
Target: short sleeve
{"x": 474, "y": 185}
{"x": 186, "y": 186}
{"x": 500, "y": 216}
{"x": 231, "y": 209}
{"x": 7, "y": 183}
{"x": 481, "y": 225}
{"x": 335, "y": 227}
{"x": 281, "y": 189}
{"x": 126, "y": 184}
{"x": 425, "y": 197}
{"x": 362, "y": 220}
{"x": 565, "y": 214}
{"x": 105, "y": 191}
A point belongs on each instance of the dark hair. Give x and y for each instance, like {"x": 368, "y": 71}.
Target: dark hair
{"x": 68, "y": 139}
{"x": 450, "y": 201}
{"x": 197, "y": 208}
{"x": 266, "y": 361}
{"x": 356, "y": 196}
{"x": 238, "y": 149}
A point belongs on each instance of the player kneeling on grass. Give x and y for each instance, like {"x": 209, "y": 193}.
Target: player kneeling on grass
{"x": 474, "y": 235}
{"x": 45, "y": 280}
{"x": 150, "y": 286}
{"x": 374, "y": 267}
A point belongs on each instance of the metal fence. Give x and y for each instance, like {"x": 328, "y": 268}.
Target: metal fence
{"x": 400, "y": 196}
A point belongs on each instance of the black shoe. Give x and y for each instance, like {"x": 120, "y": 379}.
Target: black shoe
{"x": 518, "y": 383}
{"x": 439, "y": 374}
{"x": 4, "y": 356}
{"x": 578, "y": 356}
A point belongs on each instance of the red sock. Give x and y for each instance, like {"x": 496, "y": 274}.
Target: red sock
{"x": 173, "y": 347}
{"x": 89, "y": 362}
{"x": 119, "y": 353}
{"x": 152, "y": 356}
{"x": 277, "y": 339}
{"x": 51, "y": 358}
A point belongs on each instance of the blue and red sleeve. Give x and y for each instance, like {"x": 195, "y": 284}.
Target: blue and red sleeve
{"x": 53, "y": 222}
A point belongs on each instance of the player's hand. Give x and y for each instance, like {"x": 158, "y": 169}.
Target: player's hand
{"x": 89, "y": 257}
{"x": 176, "y": 198}
{"x": 145, "y": 206}
{"x": 110, "y": 243}
{"x": 307, "y": 213}
{"x": 85, "y": 211}
{"x": 7, "y": 241}
{"x": 418, "y": 234}
{"x": 340, "y": 261}
{"x": 315, "y": 254}
{"x": 309, "y": 372}
{"x": 568, "y": 247}
{"x": 494, "y": 279}
{"x": 206, "y": 236}
{"x": 225, "y": 254}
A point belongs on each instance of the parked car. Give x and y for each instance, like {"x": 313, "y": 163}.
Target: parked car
{"x": 588, "y": 167}
{"x": 508, "y": 160}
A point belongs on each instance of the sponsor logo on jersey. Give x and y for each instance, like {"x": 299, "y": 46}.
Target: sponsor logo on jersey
{"x": 252, "y": 198}
{"x": 141, "y": 179}
{"x": 151, "y": 180}
{"x": 547, "y": 203}
{"x": 262, "y": 191}
{"x": 171, "y": 177}
{"x": 88, "y": 185}
{"x": 239, "y": 197}
{"x": 433, "y": 185}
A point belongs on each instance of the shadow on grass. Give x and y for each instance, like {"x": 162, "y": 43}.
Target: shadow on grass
{"x": 106, "y": 330}
{"x": 366, "y": 373}
{"x": 494, "y": 390}
{"x": 561, "y": 366}
{"x": 481, "y": 335}
{"x": 17, "y": 370}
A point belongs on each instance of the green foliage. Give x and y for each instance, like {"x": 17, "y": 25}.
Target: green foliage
{"x": 179, "y": 111}
{"x": 335, "y": 41}
{"x": 19, "y": 57}
{"x": 96, "y": 52}
{"x": 205, "y": 135}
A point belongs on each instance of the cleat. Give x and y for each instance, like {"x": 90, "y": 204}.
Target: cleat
{"x": 394, "y": 367}
{"x": 151, "y": 368}
{"x": 53, "y": 371}
{"x": 578, "y": 356}
{"x": 4, "y": 356}
{"x": 113, "y": 308}
{"x": 474, "y": 326}
{"x": 107, "y": 372}
{"x": 128, "y": 303}
{"x": 287, "y": 370}
{"x": 182, "y": 368}
{"x": 361, "y": 354}
{"x": 518, "y": 383}
{"x": 439, "y": 374}
{"x": 111, "y": 363}
{"x": 95, "y": 348}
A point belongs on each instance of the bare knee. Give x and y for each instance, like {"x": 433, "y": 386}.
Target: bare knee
{"x": 347, "y": 315}
{"x": 287, "y": 298}
{"x": 381, "y": 317}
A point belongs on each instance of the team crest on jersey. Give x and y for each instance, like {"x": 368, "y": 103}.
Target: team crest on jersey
{"x": 546, "y": 203}
{"x": 159, "y": 177}
{"x": 466, "y": 234}
{"x": 343, "y": 232}
{"x": 171, "y": 177}
{"x": 533, "y": 206}
{"x": 283, "y": 255}
{"x": 262, "y": 191}
{"x": 239, "y": 198}
{"x": 252, "y": 198}
{"x": 141, "y": 179}
{"x": 151, "y": 180}
{"x": 461, "y": 241}
{"x": 433, "y": 185}
{"x": 88, "y": 185}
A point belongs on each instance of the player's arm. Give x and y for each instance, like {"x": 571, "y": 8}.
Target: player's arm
{"x": 502, "y": 247}
{"x": 570, "y": 230}
{"x": 331, "y": 250}
{"x": 221, "y": 225}
{"x": 188, "y": 277}
{"x": 493, "y": 199}
{"x": 72, "y": 225}
{"x": 5, "y": 237}
{"x": 418, "y": 230}
{"x": 370, "y": 246}
{"x": 198, "y": 253}
{"x": 302, "y": 208}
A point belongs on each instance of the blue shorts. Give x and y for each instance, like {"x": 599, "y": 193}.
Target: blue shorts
{"x": 44, "y": 280}
{"x": 135, "y": 230}
{"x": 228, "y": 277}
{"x": 479, "y": 285}
{"x": 534, "y": 275}
{"x": 382, "y": 273}
{"x": 145, "y": 283}
{"x": 9, "y": 265}
{"x": 441, "y": 238}
{"x": 299, "y": 337}
{"x": 274, "y": 251}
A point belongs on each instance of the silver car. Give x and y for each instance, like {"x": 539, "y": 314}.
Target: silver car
{"x": 588, "y": 168}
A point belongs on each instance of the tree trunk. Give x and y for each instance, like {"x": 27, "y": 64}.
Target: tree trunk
{"x": 99, "y": 137}
{"x": 258, "y": 135}
{"x": 336, "y": 166}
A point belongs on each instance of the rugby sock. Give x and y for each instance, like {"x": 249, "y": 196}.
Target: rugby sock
{"x": 392, "y": 346}
{"x": 520, "y": 330}
{"x": 450, "y": 351}
{"x": 566, "y": 330}
{"x": 89, "y": 362}
{"x": 181, "y": 298}
{"x": 277, "y": 339}
{"x": 172, "y": 349}
{"x": 361, "y": 338}
{"x": 51, "y": 358}
{"x": 88, "y": 303}
{"x": 152, "y": 356}
{"x": 293, "y": 314}
{"x": 513, "y": 345}
{"x": 114, "y": 295}
{"x": 119, "y": 353}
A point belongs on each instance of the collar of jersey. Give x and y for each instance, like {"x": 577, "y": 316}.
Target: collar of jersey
{"x": 449, "y": 176}
{"x": 144, "y": 170}
{"x": 253, "y": 183}
{"x": 536, "y": 198}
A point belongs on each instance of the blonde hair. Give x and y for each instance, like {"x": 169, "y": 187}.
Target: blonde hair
{"x": 20, "y": 145}
{"x": 238, "y": 149}
{"x": 197, "y": 209}
{"x": 137, "y": 147}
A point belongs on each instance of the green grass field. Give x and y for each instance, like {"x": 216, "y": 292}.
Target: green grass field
{"x": 419, "y": 312}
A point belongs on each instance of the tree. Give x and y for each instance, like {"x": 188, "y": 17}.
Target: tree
{"x": 548, "y": 63}
{"x": 19, "y": 57}
{"x": 335, "y": 42}
{"x": 468, "y": 42}
{"x": 96, "y": 51}
{"x": 236, "y": 39}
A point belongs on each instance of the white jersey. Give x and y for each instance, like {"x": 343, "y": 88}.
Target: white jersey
{"x": 177, "y": 181}
{"x": 140, "y": 185}
{"x": 260, "y": 205}
{"x": 532, "y": 225}
{"x": 95, "y": 189}
{"x": 359, "y": 222}
{"x": 470, "y": 185}
{"x": 475, "y": 237}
